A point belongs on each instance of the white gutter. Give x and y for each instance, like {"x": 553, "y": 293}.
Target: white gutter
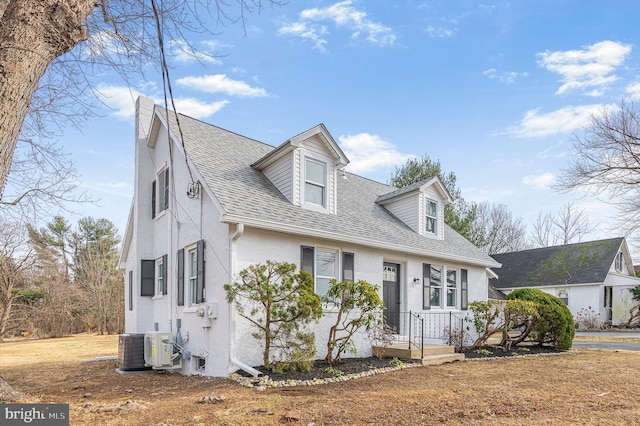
{"x": 300, "y": 230}
{"x": 245, "y": 367}
{"x": 232, "y": 323}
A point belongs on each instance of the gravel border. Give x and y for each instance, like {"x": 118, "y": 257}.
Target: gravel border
{"x": 263, "y": 382}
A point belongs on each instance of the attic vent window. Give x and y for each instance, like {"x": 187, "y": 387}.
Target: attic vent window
{"x": 315, "y": 182}
{"x": 431, "y": 217}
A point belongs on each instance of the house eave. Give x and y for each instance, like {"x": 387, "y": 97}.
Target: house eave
{"x": 126, "y": 243}
{"x": 298, "y": 230}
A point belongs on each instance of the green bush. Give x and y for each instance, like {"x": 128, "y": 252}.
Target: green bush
{"x": 555, "y": 325}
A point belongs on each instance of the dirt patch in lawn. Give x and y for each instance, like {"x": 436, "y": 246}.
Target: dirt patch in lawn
{"x": 582, "y": 386}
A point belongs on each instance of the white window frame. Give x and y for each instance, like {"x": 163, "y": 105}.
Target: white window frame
{"x": 192, "y": 258}
{"x": 159, "y": 277}
{"x": 428, "y": 217}
{"x": 336, "y": 268}
{"x": 323, "y": 185}
{"x": 619, "y": 262}
{"x": 452, "y": 288}
{"x": 439, "y": 288}
{"x": 160, "y": 191}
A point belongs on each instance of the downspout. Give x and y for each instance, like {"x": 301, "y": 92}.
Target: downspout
{"x": 232, "y": 323}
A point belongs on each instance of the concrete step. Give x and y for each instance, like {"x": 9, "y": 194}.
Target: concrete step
{"x": 441, "y": 359}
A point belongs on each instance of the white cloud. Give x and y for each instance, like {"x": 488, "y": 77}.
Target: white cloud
{"x": 589, "y": 68}
{"x": 534, "y": 124}
{"x": 368, "y": 152}
{"x": 439, "y": 32}
{"x": 122, "y": 99}
{"x": 634, "y": 91}
{"x": 542, "y": 181}
{"x": 198, "y": 109}
{"x": 183, "y": 52}
{"x": 341, "y": 14}
{"x": 507, "y": 77}
{"x": 220, "y": 83}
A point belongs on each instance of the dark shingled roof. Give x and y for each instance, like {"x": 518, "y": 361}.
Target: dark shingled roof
{"x": 588, "y": 262}
{"x": 224, "y": 160}
{"x": 496, "y": 294}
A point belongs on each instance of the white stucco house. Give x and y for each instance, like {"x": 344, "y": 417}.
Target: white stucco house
{"x": 209, "y": 205}
{"x": 595, "y": 276}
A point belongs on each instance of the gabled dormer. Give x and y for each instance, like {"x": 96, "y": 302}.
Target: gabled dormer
{"x": 305, "y": 168}
{"x": 420, "y": 206}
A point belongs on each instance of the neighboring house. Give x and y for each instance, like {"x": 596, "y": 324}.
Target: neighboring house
{"x": 594, "y": 276}
{"x": 195, "y": 222}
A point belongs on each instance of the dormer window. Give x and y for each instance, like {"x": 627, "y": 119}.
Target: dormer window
{"x": 431, "y": 217}
{"x": 315, "y": 182}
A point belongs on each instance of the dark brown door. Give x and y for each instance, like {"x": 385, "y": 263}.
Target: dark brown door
{"x": 391, "y": 294}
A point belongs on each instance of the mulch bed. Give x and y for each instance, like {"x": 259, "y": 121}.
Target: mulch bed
{"x": 495, "y": 352}
{"x": 322, "y": 370}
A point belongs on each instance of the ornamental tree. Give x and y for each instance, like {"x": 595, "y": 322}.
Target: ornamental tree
{"x": 359, "y": 307}
{"x": 278, "y": 302}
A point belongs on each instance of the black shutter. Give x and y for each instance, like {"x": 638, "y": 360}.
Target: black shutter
{"x": 166, "y": 189}
{"x": 307, "y": 259}
{"x": 153, "y": 200}
{"x": 147, "y": 277}
{"x": 164, "y": 274}
{"x": 464, "y": 286}
{"x": 426, "y": 286}
{"x": 200, "y": 277}
{"x": 181, "y": 277}
{"x": 347, "y": 267}
{"x": 131, "y": 290}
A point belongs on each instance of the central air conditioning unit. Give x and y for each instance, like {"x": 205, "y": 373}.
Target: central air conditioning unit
{"x": 158, "y": 349}
{"x": 131, "y": 352}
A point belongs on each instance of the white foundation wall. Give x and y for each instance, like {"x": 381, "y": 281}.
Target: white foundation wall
{"x": 257, "y": 246}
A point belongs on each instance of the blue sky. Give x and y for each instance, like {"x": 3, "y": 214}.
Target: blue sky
{"x": 493, "y": 90}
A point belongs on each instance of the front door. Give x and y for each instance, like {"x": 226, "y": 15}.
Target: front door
{"x": 391, "y": 294}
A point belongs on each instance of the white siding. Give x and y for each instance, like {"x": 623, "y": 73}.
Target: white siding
{"x": 407, "y": 210}
{"x": 280, "y": 173}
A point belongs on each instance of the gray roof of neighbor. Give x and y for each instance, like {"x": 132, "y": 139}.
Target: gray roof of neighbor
{"x": 224, "y": 160}
{"x": 587, "y": 262}
{"x": 496, "y": 294}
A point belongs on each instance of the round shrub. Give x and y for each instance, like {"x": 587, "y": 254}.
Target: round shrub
{"x": 555, "y": 325}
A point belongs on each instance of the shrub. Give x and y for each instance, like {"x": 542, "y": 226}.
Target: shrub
{"x": 555, "y": 324}
{"x": 381, "y": 336}
{"x": 456, "y": 337}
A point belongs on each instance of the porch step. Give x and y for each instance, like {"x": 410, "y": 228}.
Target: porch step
{"x": 441, "y": 359}
{"x": 433, "y": 354}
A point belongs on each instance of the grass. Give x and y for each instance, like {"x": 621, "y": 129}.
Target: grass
{"x": 583, "y": 386}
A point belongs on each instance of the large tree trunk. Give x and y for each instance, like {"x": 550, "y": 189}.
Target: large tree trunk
{"x": 32, "y": 34}
{"x": 8, "y": 394}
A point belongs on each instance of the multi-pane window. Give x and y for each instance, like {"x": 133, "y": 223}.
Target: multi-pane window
{"x": 326, "y": 270}
{"x": 435, "y": 286}
{"x": 315, "y": 182}
{"x": 431, "y": 217}
{"x": 452, "y": 292}
{"x": 159, "y": 276}
{"x": 193, "y": 276}
{"x": 160, "y": 192}
{"x": 619, "y": 262}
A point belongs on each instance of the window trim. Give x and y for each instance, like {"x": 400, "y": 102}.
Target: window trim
{"x": 160, "y": 192}
{"x": 455, "y": 288}
{"x": 192, "y": 275}
{"x": 619, "y": 262}
{"x": 440, "y": 287}
{"x": 464, "y": 289}
{"x": 161, "y": 278}
{"x": 180, "y": 295}
{"x": 428, "y": 216}
{"x": 308, "y": 262}
{"x": 324, "y": 185}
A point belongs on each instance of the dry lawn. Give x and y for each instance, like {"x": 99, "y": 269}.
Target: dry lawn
{"x": 586, "y": 387}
